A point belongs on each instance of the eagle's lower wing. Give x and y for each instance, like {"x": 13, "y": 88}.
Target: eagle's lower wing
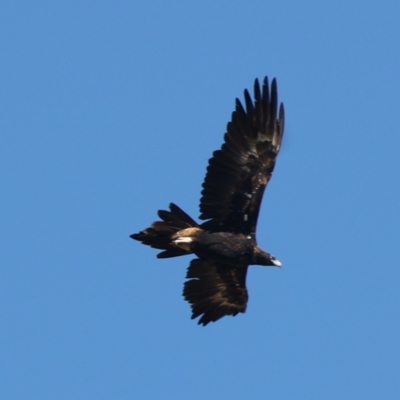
{"x": 238, "y": 173}
{"x": 215, "y": 290}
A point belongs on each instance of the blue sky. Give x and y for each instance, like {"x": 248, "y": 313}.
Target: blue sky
{"x": 110, "y": 110}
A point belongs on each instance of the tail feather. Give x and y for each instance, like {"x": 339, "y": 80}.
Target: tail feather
{"x": 159, "y": 235}
{"x": 172, "y": 253}
{"x": 177, "y": 217}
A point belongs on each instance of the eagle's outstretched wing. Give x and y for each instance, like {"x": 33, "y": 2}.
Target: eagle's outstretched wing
{"x": 215, "y": 290}
{"x": 238, "y": 173}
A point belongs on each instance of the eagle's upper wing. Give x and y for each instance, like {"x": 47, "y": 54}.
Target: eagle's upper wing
{"x": 215, "y": 290}
{"x": 238, "y": 173}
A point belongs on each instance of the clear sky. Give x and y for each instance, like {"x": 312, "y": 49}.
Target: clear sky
{"x": 109, "y": 111}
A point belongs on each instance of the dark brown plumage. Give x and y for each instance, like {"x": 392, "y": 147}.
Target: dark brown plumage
{"x": 225, "y": 243}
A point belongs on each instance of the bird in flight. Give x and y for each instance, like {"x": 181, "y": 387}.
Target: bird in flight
{"x": 225, "y": 244}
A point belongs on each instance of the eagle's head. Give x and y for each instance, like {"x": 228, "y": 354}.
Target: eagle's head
{"x": 260, "y": 257}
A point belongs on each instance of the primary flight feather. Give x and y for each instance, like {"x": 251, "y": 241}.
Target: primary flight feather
{"x": 225, "y": 244}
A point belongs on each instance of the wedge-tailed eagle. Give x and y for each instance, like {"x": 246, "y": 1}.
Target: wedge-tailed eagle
{"x": 225, "y": 244}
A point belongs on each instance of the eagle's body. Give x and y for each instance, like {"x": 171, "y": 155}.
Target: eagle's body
{"x": 225, "y": 243}
{"x": 231, "y": 249}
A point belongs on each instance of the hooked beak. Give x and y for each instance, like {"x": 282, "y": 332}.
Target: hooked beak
{"x": 276, "y": 263}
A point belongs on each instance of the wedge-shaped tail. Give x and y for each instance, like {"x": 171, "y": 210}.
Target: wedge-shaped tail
{"x": 160, "y": 235}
